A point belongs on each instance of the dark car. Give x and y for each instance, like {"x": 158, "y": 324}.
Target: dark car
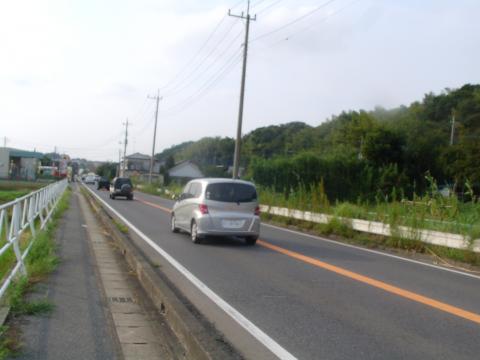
{"x": 103, "y": 183}
{"x": 121, "y": 186}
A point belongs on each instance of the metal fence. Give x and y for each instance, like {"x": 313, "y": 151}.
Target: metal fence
{"x": 20, "y": 214}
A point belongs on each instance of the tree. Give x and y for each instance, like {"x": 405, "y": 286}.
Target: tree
{"x": 383, "y": 146}
{"x": 107, "y": 170}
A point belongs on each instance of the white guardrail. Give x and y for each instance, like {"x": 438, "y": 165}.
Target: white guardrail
{"x": 18, "y": 215}
{"x": 456, "y": 241}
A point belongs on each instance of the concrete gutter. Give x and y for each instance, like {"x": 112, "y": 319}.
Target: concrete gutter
{"x": 455, "y": 241}
{"x": 199, "y": 337}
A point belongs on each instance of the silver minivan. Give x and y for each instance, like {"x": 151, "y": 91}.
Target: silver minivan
{"x": 218, "y": 207}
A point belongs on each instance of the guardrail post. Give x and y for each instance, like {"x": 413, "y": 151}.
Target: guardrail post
{"x": 31, "y": 215}
{"x": 15, "y": 227}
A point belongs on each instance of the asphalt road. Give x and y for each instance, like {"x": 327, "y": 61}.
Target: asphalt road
{"x": 322, "y": 300}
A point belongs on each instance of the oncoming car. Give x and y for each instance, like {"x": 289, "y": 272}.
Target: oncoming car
{"x": 218, "y": 207}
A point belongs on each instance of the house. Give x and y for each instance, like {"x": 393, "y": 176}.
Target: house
{"x": 184, "y": 171}
{"x": 19, "y": 164}
{"x": 140, "y": 163}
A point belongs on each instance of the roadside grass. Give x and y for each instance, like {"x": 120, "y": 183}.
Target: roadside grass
{"x": 121, "y": 227}
{"x": 7, "y": 259}
{"x": 40, "y": 262}
{"x": 11, "y": 190}
{"x": 159, "y": 190}
{"x": 7, "y": 345}
{"x": 341, "y": 231}
{"x": 10, "y": 195}
{"x": 20, "y": 185}
{"x": 430, "y": 212}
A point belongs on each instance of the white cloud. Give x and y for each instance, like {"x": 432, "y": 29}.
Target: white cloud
{"x": 72, "y": 71}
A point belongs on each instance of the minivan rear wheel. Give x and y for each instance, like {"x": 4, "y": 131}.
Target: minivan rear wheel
{"x": 173, "y": 224}
{"x": 251, "y": 240}
{"x": 194, "y": 233}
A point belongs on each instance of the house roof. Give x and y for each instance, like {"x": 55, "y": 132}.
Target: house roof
{"x": 138, "y": 156}
{"x": 181, "y": 170}
{"x": 25, "y": 153}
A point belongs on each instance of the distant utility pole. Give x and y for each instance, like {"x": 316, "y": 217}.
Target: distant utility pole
{"x": 5, "y": 139}
{"x": 452, "y": 131}
{"x": 119, "y": 161}
{"x": 236, "y": 157}
{"x": 124, "y": 167}
{"x": 157, "y": 98}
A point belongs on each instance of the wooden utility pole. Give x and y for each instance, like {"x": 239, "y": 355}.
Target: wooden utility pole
{"x": 236, "y": 157}
{"x": 152, "y": 161}
{"x": 124, "y": 167}
{"x": 452, "y": 131}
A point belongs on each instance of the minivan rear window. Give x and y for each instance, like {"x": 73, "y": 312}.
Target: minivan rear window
{"x": 231, "y": 192}
{"x": 122, "y": 181}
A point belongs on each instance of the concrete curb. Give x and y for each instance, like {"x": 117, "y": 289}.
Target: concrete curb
{"x": 200, "y": 339}
{"x": 4, "y": 311}
{"x": 455, "y": 241}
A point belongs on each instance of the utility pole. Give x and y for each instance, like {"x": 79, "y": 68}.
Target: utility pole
{"x": 452, "y": 131}
{"x": 5, "y": 139}
{"x": 124, "y": 167}
{"x": 119, "y": 161}
{"x": 236, "y": 157}
{"x": 157, "y": 98}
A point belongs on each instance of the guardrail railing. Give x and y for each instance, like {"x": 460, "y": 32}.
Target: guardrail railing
{"x": 22, "y": 213}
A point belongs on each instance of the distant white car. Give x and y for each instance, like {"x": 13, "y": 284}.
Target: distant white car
{"x": 90, "y": 179}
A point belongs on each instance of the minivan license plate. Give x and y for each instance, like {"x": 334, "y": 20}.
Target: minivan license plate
{"x": 233, "y": 224}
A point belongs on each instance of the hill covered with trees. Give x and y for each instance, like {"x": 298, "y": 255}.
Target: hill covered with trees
{"x": 359, "y": 154}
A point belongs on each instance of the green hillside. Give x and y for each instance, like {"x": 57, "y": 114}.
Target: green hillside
{"x": 359, "y": 153}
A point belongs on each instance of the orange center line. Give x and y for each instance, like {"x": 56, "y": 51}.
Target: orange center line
{"x": 376, "y": 283}
{"x": 361, "y": 278}
{"x": 155, "y": 205}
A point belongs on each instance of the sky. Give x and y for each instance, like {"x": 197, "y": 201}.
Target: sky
{"x": 73, "y": 72}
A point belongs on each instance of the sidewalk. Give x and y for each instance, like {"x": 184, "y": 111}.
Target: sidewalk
{"x": 80, "y": 326}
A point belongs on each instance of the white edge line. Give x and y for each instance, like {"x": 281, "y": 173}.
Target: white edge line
{"x": 256, "y": 332}
{"x": 373, "y": 251}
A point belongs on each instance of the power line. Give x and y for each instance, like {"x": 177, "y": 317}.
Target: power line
{"x": 189, "y": 62}
{"x": 194, "y": 99}
{"x": 200, "y": 64}
{"x": 200, "y": 74}
{"x": 207, "y": 85}
{"x": 293, "y": 21}
{"x": 336, "y": 12}
{"x": 198, "y": 52}
{"x": 295, "y": 33}
{"x": 268, "y": 7}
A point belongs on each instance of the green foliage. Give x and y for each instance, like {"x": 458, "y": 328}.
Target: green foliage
{"x": 7, "y": 196}
{"x": 107, "y": 170}
{"x": 121, "y": 227}
{"x": 382, "y": 147}
{"x": 360, "y": 154}
{"x": 7, "y": 344}
{"x": 20, "y": 306}
{"x": 40, "y": 261}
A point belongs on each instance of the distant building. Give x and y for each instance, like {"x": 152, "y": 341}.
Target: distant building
{"x": 19, "y": 164}
{"x": 139, "y": 165}
{"x": 185, "y": 170}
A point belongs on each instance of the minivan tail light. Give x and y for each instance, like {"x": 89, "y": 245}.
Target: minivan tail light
{"x": 203, "y": 209}
{"x": 257, "y": 211}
